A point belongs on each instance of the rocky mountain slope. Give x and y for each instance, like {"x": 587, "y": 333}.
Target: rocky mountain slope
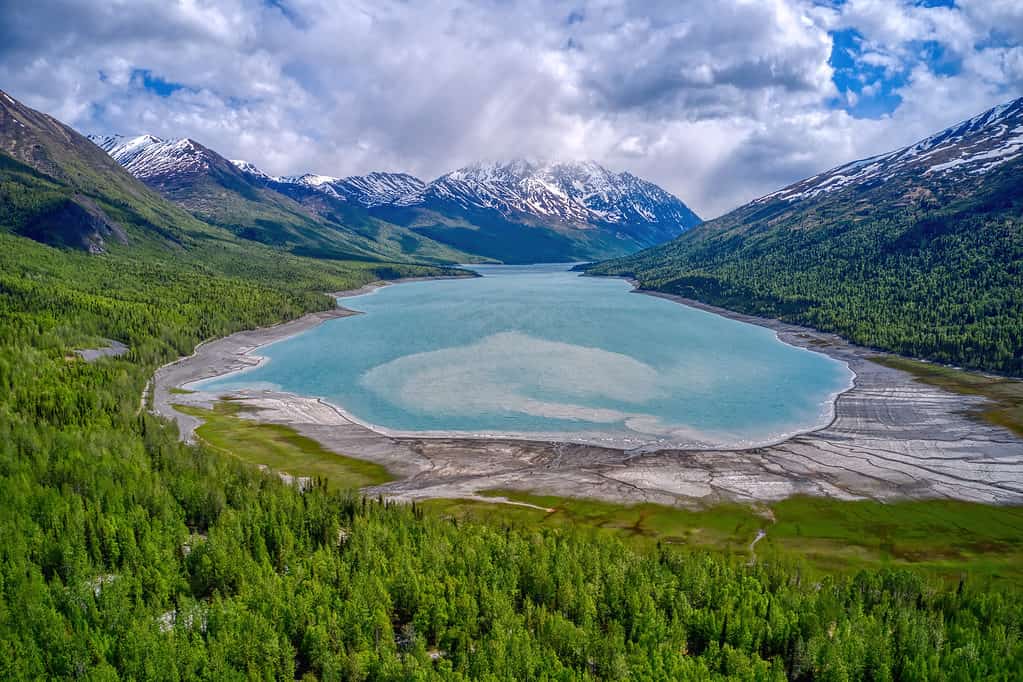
{"x": 374, "y": 189}
{"x": 580, "y": 194}
{"x": 516, "y": 211}
{"x": 60, "y": 189}
{"x": 242, "y": 199}
{"x": 919, "y": 250}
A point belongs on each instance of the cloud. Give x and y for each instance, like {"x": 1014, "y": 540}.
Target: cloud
{"x": 717, "y": 105}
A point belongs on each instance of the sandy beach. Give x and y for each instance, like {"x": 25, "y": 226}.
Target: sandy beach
{"x": 891, "y": 438}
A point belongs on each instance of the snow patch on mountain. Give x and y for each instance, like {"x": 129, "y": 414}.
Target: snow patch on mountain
{"x": 310, "y": 179}
{"x": 972, "y": 147}
{"x": 147, "y": 156}
{"x": 251, "y": 169}
{"x": 379, "y": 189}
{"x": 580, "y": 193}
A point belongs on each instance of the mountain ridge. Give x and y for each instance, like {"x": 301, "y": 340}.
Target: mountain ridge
{"x": 971, "y": 147}
{"x": 69, "y": 193}
{"x": 244, "y": 200}
{"x": 917, "y": 251}
{"x": 556, "y": 189}
{"x": 516, "y": 211}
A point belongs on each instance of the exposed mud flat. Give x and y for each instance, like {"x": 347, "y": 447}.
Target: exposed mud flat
{"x": 892, "y": 438}
{"x": 113, "y": 349}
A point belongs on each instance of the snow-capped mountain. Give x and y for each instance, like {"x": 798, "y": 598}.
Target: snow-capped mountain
{"x": 374, "y": 189}
{"x": 965, "y": 151}
{"x": 580, "y": 194}
{"x": 521, "y": 210}
{"x": 250, "y": 202}
{"x": 147, "y": 156}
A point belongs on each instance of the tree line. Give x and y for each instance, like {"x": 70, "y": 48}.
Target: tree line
{"x": 126, "y": 553}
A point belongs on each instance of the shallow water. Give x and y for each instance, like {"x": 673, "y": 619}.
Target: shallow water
{"x": 539, "y": 351}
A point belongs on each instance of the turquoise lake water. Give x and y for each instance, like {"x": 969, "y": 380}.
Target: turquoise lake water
{"x": 538, "y": 351}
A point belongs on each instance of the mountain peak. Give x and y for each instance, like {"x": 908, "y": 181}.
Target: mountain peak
{"x": 311, "y": 179}
{"x": 580, "y": 193}
{"x": 147, "y": 156}
{"x": 251, "y": 169}
{"x": 965, "y": 150}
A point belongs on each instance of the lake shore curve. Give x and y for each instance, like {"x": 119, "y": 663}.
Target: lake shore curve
{"x": 890, "y": 437}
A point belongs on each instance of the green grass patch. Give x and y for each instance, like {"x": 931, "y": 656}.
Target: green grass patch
{"x": 940, "y": 538}
{"x": 1006, "y": 394}
{"x": 727, "y": 528}
{"x": 281, "y": 448}
{"x": 180, "y": 391}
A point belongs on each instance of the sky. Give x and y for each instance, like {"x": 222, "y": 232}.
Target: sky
{"x": 719, "y": 101}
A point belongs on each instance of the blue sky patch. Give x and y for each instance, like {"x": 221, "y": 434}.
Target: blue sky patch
{"x": 875, "y": 79}
{"x": 155, "y": 84}
{"x": 874, "y": 86}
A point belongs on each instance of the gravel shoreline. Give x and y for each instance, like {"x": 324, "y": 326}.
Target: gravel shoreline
{"x": 891, "y": 438}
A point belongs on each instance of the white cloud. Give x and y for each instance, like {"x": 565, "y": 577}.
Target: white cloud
{"x": 716, "y": 104}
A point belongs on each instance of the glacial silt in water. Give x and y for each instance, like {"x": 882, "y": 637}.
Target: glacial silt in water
{"x": 541, "y": 352}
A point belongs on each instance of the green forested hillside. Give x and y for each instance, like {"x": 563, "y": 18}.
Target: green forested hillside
{"x": 932, "y": 272}
{"x": 127, "y": 553}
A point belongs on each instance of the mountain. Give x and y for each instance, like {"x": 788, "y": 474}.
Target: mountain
{"x": 239, "y": 198}
{"x": 60, "y": 189}
{"x": 579, "y": 194}
{"x": 514, "y": 212}
{"x": 523, "y": 211}
{"x": 374, "y": 189}
{"x": 918, "y": 251}
{"x": 941, "y": 163}
{"x": 518, "y": 211}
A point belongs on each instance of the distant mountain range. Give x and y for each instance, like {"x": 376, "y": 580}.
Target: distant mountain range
{"x": 516, "y": 212}
{"x": 218, "y": 192}
{"x": 578, "y": 194}
{"x": 919, "y": 250}
{"x": 610, "y": 212}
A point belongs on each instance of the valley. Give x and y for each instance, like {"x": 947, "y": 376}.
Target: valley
{"x": 156, "y": 529}
{"x": 891, "y": 438}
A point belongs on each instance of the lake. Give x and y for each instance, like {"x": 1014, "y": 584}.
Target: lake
{"x": 542, "y": 352}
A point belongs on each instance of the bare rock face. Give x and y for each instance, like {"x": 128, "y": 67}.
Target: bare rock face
{"x": 75, "y": 223}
